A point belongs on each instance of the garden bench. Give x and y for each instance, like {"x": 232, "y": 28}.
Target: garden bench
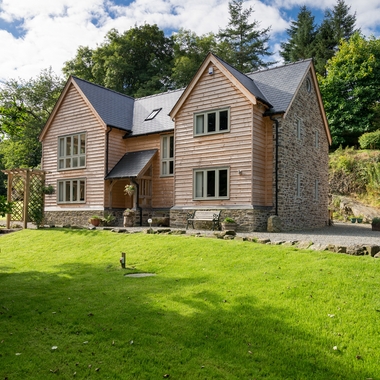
{"x": 203, "y": 216}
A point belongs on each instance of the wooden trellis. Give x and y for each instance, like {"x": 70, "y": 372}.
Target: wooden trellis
{"x": 25, "y": 190}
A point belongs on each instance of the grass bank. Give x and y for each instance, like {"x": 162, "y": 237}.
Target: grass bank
{"x": 215, "y": 309}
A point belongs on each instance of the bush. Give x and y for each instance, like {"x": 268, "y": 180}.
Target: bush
{"x": 5, "y": 207}
{"x": 370, "y": 140}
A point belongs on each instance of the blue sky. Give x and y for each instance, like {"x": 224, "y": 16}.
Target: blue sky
{"x": 38, "y": 34}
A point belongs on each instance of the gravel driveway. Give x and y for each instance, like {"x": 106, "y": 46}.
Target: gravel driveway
{"x": 345, "y": 234}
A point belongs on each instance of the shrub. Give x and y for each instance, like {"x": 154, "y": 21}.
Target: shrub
{"x": 5, "y": 206}
{"x": 370, "y": 140}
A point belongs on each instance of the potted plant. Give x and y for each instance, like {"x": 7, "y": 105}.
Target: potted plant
{"x": 108, "y": 219}
{"x": 48, "y": 190}
{"x": 229, "y": 224}
{"x": 95, "y": 220}
{"x": 129, "y": 218}
{"x": 129, "y": 189}
{"x": 359, "y": 219}
{"x": 376, "y": 224}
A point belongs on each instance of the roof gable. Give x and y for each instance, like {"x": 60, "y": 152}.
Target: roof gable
{"x": 246, "y": 85}
{"x": 280, "y": 84}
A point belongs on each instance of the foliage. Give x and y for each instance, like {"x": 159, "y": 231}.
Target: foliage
{"x": 338, "y": 24}
{"x": 246, "y": 44}
{"x": 350, "y": 89}
{"x": 108, "y": 219}
{"x": 24, "y": 108}
{"x": 136, "y": 62}
{"x": 301, "y": 43}
{"x": 376, "y": 220}
{"x": 5, "y": 206}
{"x": 189, "y": 52}
{"x": 228, "y": 220}
{"x": 215, "y": 309}
{"x": 370, "y": 140}
{"x": 354, "y": 172}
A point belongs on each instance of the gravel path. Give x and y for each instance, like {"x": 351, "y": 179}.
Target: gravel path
{"x": 345, "y": 234}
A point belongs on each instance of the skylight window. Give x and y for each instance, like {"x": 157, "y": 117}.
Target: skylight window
{"x": 153, "y": 114}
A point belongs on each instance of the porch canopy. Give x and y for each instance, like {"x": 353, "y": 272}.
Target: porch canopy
{"x": 132, "y": 165}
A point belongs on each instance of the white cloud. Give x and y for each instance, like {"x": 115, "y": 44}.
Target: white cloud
{"x": 53, "y": 30}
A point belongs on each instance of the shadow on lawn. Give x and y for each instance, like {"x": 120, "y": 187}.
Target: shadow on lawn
{"x": 175, "y": 324}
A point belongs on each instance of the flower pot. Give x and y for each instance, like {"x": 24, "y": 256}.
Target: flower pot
{"x": 129, "y": 221}
{"x": 375, "y": 227}
{"x": 95, "y": 222}
{"x": 353, "y": 220}
{"x": 359, "y": 220}
{"x": 229, "y": 226}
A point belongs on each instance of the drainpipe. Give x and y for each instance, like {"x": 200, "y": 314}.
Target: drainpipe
{"x": 276, "y": 166}
{"x": 137, "y": 199}
{"x": 107, "y": 149}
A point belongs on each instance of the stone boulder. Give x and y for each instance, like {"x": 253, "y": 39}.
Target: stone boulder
{"x": 274, "y": 224}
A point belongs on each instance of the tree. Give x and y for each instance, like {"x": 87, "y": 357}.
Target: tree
{"x": 350, "y": 90}
{"x": 137, "y": 62}
{"x": 245, "y": 44}
{"x": 337, "y": 24}
{"x": 301, "y": 42}
{"x": 24, "y": 109}
{"x": 189, "y": 52}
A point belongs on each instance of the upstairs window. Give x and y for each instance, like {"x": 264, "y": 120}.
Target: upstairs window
{"x": 72, "y": 151}
{"x": 298, "y": 129}
{"x": 209, "y": 122}
{"x": 211, "y": 183}
{"x": 167, "y": 155}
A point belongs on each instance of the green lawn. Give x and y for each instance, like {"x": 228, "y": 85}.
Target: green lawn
{"x": 215, "y": 309}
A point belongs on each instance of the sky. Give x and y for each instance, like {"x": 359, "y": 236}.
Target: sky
{"x": 39, "y": 34}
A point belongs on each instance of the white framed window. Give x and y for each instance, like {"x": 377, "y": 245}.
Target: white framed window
{"x": 298, "y": 129}
{"x": 298, "y": 185}
{"x": 71, "y": 190}
{"x": 72, "y": 151}
{"x": 209, "y": 122}
{"x": 167, "y": 155}
{"x": 212, "y": 183}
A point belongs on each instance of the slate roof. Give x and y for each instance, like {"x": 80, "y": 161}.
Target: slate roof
{"x": 115, "y": 109}
{"x": 162, "y": 122}
{"x": 280, "y": 84}
{"x": 275, "y": 87}
{"x": 131, "y": 164}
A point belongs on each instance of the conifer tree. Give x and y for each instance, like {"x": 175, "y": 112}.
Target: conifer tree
{"x": 245, "y": 44}
{"x": 301, "y": 43}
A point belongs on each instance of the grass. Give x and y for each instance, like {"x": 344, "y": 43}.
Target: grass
{"x": 215, "y": 309}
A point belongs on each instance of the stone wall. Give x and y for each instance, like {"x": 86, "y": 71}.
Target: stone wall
{"x": 160, "y": 217}
{"x": 300, "y": 155}
{"x": 247, "y": 219}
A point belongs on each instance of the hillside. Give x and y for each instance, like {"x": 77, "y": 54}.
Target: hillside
{"x": 354, "y": 179}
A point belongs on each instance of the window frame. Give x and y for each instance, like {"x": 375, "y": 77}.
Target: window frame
{"x": 153, "y": 114}
{"x": 298, "y": 185}
{"x": 166, "y": 161}
{"x": 72, "y": 156}
{"x": 63, "y": 188}
{"x": 205, "y": 114}
{"x": 217, "y": 171}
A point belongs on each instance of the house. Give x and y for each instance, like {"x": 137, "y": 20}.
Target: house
{"x": 251, "y": 145}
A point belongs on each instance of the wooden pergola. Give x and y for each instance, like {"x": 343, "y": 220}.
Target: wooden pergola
{"x": 25, "y": 190}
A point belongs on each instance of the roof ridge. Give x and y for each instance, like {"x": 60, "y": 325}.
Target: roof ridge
{"x": 161, "y": 93}
{"x": 102, "y": 87}
{"x": 280, "y": 66}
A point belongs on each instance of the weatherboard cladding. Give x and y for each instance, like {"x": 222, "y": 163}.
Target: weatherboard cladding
{"x": 131, "y": 164}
